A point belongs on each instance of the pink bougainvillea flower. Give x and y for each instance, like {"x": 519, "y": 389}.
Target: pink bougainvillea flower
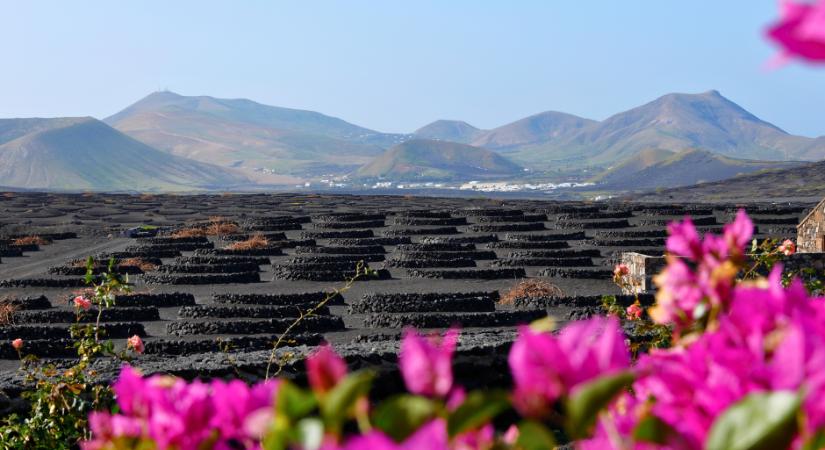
{"x": 180, "y": 415}
{"x": 546, "y": 367}
{"x": 620, "y": 270}
{"x": 242, "y": 412}
{"x": 455, "y": 398}
{"x": 511, "y": 435}
{"x": 17, "y": 344}
{"x": 325, "y": 369}
{"x": 106, "y": 428}
{"x": 479, "y": 439}
{"x": 800, "y": 30}
{"x": 738, "y": 233}
{"x": 81, "y": 302}
{"x": 770, "y": 338}
{"x": 136, "y": 344}
{"x": 683, "y": 240}
{"x": 593, "y": 348}
{"x": 787, "y": 248}
{"x": 700, "y": 273}
{"x": 634, "y": 312}
{"x": 677, "y": 296}
{"x": 431, "y": 436}
{"x": 426, "y": 364}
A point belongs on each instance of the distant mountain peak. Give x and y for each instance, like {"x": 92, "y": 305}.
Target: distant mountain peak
{"x": 448, "y": 130}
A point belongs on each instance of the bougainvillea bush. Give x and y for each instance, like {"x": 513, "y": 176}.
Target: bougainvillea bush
{"x": 745, "y": 370}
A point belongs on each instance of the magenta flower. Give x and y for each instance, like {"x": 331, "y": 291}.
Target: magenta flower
{"x": 687, "y": 292}
{"x": 800, "y": 30}
{"x": 426, "y": 364}
{"x": 770, "y": 338}
{"x": 174, "y": 414}
{"x": 480, "y": 439}
{"x": 547, "y": 367}
{"x": 738, "y": 234}
{"x": 106, "y": 427}
{"x": 239, "y": 409}
{"x": 683, "y": 240}
{"x": 431, "y": 436}
{"x": 325, "y": 369}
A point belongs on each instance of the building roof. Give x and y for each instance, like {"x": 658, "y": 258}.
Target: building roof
{"x": 822, "y": 203}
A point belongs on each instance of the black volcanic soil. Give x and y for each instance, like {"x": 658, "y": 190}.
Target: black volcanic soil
{"x": 211, "y": 312}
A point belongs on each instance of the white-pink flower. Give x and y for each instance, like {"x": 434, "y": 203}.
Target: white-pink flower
{"x": 81, "y": 302}
{"x": 135, "y": 343}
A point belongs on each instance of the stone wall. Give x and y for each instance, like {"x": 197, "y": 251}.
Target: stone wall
{"x": 811, "y": 232}
{"x": 642, "y": 270}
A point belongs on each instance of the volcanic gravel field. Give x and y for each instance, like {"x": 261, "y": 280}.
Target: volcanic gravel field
{"x": 212, "y": 312}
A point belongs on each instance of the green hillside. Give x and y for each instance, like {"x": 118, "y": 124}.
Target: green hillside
{"x": 422, "y": 159}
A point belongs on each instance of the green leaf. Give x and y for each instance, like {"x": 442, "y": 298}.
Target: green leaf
{"x": 338, "y": 402}
{"x": 478, "y": 408}
{"x": 534, "y": 436}
{"x": 652, "y": 429}
{"x": 310, "y": 433}
{"x": 90, "y": 268}
{"x": 294, "y": 402}
{"x": 583, "y": 407}
{"x": 762, "y": 421}
{"x": 278, "y": 436}
{"x": 400, "y": 416}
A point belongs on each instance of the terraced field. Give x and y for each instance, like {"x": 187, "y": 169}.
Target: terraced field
{"x": 212, "y": 305}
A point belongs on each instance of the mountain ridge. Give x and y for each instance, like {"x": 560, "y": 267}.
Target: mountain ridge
{"x": 84, "y": 153}
{"x": 688, "y": 167}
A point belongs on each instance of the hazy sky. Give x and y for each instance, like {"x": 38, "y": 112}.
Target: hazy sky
{"x": 395, "y": 66}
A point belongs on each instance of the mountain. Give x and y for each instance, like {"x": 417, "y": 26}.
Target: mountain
{"x": 448, "y": 130}
{"x": 536, "y": 129}
{"x": 806, "y": 182}
{"x": 674, "y": 122}
{"x": 684, "y": 168}
{"x": 86, "y": 154}
{"x": 632, "y": 165}
{"x": 423, "y": 159}
{"x": 250, "y": 136}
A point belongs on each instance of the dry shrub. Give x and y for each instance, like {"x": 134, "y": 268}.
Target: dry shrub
{"x": 8, "y": 194}
{"x": 140, "y": 263}
{"x": 31, "y": 240}
{"x": 188, "y": 233}
{"x": 531, "y": 289}
{"x": 219, "y": 226}
{"x": 256, "y": 241}
{"x": 7, "y": 310}
{"x": 146, "y": 197}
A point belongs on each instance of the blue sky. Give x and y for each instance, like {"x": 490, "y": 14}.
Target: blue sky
{"x": 395, "y": 66}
